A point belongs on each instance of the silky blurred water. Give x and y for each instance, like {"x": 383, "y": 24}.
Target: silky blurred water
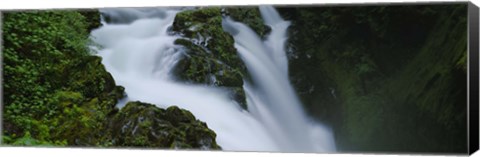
{"x": 140, "y": 53}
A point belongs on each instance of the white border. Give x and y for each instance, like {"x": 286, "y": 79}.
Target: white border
{"x": 85, "y": 152}
{"x": 89, "y": 152}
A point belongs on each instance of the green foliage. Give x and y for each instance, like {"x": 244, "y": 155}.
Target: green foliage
{"x": 48, "y": 74}
{"x": 35, "y": 34}
{"x": 35, "y": 45}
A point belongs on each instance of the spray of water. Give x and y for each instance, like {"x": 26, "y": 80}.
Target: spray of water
{"x": 140, "y": 54}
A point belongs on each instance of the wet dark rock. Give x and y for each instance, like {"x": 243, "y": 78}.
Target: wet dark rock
{"x": 210, "y": 56}
{"x": 145, "y": 125}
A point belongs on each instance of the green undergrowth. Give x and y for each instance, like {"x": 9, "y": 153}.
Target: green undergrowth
{"x": 46, "y": 64}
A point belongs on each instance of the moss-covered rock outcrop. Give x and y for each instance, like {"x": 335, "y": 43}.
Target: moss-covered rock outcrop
{"x": 57, "y": 94}
{"x": 210, "y": 57}
{"x": 144, "y": 125}
{"x": 386, "y": 78}
{"x": 251, "y": 17}
{"x": 92, "y": 18}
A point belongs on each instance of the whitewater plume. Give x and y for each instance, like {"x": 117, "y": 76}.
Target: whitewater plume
{"x": 140, "y": 54}
{"x": 275, "y": 102}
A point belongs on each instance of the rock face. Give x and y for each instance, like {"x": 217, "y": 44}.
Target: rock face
{"x": 144, "y": 125}
{"x": 386, "y": 78}
{"x": 210, "y": 56}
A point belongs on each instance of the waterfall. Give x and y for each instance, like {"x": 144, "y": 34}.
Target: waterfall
{"x": 140, "y": 53}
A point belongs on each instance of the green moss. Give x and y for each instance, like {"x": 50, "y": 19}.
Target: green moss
{"x": 251, "y": 17}
{"x": 92, "y": 18}
{"x": 90, "y": 72}
{"x": 144, "y": 125}
{"x": 211, "y": 57}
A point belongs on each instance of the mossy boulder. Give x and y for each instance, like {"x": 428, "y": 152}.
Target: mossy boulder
{"x": 85, "y": 105}
{"x": 80, "y": 120}
{"x": 145, "y": 125}
{"x": 251, "y": 17}
{"x": 210, "y": 56}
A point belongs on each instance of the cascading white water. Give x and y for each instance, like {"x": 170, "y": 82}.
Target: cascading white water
{"x": 277, "y": 38}
{"x": 140, "y": 54}
{"x": 274, "y": 101}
